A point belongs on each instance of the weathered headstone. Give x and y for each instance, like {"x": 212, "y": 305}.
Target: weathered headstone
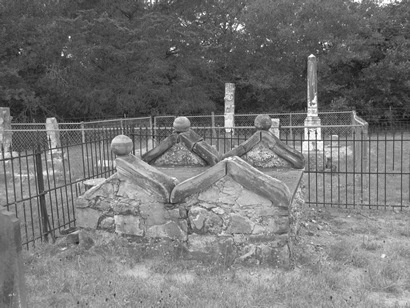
{"x": 12, "y": 287}
{"x": 53, "y": 133}
{"x": 275, "y": 128}
{"x": 55, "y": 155}
{"x": 5, "y": 129}
{"x": 313, "y": 132}
{"x": 229, "y": 106}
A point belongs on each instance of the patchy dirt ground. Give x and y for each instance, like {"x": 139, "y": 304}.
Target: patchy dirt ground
{"x": 373, "y": 246}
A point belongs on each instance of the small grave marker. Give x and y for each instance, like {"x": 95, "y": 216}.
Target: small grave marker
{"x": 5, "y": 129}
{"x": 12, "y": 287}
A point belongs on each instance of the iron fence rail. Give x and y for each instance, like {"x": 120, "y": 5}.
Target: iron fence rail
{"x": 289, "y": 120}
{"x": 41, "y": 184}
{"x": 28, "y": 135}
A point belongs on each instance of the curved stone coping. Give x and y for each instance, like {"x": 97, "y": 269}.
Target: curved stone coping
{"x": 275, "y": 144}
{"x": 145, "y": 176}
{"x": 182, "y": 173}
{"x": 192, "y": 141}
{"x": 241, "y": 172}
{"x": 150, "y": 156}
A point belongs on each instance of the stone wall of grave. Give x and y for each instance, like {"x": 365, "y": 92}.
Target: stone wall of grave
{"x": 224, "y": 216}
{"x": 218, "y": 206}
{"x": 249, "y": 224}
{"x": 122, "y": 206}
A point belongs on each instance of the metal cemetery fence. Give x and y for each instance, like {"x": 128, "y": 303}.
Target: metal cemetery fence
{"x": 28, "y": 135}
{"x": 291, "y": 123}
{"x": 40, "y": 184}
{"x": 354, "y": 170}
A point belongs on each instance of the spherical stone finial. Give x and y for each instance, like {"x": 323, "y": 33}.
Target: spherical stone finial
{"x": 263, "y": 122}
{"x": 181, "y": 124}
{"x": 121, "y": 145}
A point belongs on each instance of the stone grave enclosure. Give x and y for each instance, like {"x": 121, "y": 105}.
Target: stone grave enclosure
{"x": 244, "y": 205}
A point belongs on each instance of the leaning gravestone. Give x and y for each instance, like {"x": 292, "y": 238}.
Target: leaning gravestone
{"x": 12, "y": 287}
{"x": 55, "y": 155}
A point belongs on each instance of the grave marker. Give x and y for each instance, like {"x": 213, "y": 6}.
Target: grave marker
{"x": 275, "y": 128}
{"x": 5, "y": 129}
{"x": 12, "y": 287}
{"x": 229, "y": 106}
{"x": 313, "y": 132}
{"x": 53, "y": 134}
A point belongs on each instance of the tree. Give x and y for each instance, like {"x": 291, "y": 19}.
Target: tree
{"x": 100, "y": 58}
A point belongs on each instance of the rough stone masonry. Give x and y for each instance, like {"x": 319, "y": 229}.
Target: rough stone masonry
{"x": 216, "y": 205}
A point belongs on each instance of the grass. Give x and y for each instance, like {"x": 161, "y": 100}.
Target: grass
{"x": 336, "y": 267}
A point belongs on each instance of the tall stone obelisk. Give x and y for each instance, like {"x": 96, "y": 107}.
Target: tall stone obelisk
{"x": 229, "y": 107}
{"x": 313, "y": 132}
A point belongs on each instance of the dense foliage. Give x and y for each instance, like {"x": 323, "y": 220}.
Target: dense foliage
{"x": 87, "y": 59}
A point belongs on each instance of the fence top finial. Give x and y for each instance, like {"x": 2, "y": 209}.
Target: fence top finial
{"x": 181, "y": 124}
{"x": 263, "y": 122}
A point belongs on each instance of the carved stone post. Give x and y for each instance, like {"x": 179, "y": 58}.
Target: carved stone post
{"x": 229, "y": 106}
{"x": 313, "y": 132}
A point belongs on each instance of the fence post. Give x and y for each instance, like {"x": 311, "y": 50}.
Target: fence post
{"x": 365, "y": 140}
{"x": 41, "y": 192}
{"x": 153, "y": 130}
{"x": 82, "y": 133}
{"x": 353, "y": 121}
{"x": 363, "y": 147}
{"x": 213, "y": 124}
{"x": 290, "y": 124}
